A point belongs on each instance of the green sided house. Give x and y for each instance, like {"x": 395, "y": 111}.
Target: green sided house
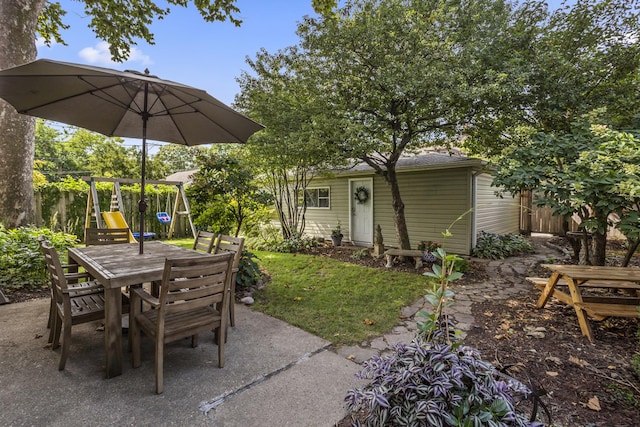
{"x": 436, "y": 189}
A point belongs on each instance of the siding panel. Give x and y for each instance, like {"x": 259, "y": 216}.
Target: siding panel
{"x": 493, "y": 214}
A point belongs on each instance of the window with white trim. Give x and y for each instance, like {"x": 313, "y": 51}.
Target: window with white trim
{"x": 318, "y": 198}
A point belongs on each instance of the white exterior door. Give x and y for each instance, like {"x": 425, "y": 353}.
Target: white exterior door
{"x": 361, "y": 208}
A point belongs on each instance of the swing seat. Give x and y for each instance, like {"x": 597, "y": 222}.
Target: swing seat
{"x": 163, "y": 217}
{"x": 147, "y": 235}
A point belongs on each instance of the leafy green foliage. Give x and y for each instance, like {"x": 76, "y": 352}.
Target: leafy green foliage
{"x": 122, "y": 23}
{"x": 361, "y": 254}
{"x": 591, "y": 172}
{"x": 294, "y": 244}
{"x": 498, "y": 246}
{"x": 580, "y": 57}
{"x": 400, "y": 76}
{"x": 248, "y": 271}
{"x": 292, "y": 148}
{"x": 224, "y": 193}
{"x": 22, "y": 263}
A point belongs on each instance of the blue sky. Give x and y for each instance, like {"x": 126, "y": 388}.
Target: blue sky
{"x": 187, "y": 49}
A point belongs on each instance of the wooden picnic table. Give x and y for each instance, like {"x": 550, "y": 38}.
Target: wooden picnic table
{"x": 577, "y": 278}
{"x": 118, "y": 266}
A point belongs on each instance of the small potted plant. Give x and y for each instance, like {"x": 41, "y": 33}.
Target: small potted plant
{"x": 336, "y": 235}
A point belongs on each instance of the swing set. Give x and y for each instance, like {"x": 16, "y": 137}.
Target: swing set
{"x": 114, "y": 218}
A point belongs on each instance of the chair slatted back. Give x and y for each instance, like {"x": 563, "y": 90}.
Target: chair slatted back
{"x": 232, "y": 245}
{"x": 56, "y": 273}
{"x": 191, "y": 283}
{"x": 106, "y": 236}
{"x": 204, "y": 242}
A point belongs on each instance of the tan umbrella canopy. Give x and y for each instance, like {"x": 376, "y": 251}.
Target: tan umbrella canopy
{"x": 123, "y": 103}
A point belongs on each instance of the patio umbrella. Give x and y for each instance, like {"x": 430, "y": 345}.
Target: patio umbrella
{"x": 123, "y": 103}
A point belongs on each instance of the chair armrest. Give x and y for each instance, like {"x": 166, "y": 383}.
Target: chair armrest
{"x": 145, "y": 296}
{"x": 71, "y": 265}
{"x": 71, "y": 276}
{"x": 86, "y": 286}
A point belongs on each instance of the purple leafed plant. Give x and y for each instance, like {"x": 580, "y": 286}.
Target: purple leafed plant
{"x": 435, "y": 384}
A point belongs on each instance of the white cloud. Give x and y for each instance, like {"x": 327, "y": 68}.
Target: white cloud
{"x": 99, "y": 54}
{"x": 40, "y": 42}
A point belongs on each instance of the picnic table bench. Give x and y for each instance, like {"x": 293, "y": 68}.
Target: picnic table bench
{"x": 414, "y": 253}
{"x": 580, "y": 277}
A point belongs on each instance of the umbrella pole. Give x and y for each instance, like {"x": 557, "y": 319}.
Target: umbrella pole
{"x": 142, "y": 204}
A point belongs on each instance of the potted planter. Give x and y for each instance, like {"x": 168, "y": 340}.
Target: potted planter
{"x": 336, "y": 235}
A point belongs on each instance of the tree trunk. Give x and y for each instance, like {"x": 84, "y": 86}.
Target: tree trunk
{"x": 599, "y": 247}
{"x": 398, "y": 209}
{"x": 633, "y": 246}
{"x": 18, "y": 19}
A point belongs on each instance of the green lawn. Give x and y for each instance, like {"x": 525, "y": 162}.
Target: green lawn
{"x": 341, "y": 302}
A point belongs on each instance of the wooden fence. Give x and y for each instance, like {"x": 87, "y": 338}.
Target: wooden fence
{"x": 534, "y": 219}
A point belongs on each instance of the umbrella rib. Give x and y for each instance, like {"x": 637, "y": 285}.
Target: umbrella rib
{"x": 198, "y": 99}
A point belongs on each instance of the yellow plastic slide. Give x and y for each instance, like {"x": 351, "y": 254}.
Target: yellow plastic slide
{"x": 116, "y": 220}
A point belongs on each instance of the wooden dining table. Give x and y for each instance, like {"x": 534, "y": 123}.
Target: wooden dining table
{"x": 119, "y": 266}
{"x": 622, "y": 301}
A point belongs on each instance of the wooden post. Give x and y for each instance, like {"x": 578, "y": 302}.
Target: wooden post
{"x": 378, "y": 246}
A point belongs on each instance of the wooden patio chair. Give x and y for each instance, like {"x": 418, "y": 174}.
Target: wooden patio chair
{"x": 106, "y": 236}
{"x": 190, "y": 290}
{"x": 73, "y": 305}
{"x": 73, "y": 276}
{"x": 232, "y": 245}
{"x": 204, "y": 242}
{"x": 110, "y": 236}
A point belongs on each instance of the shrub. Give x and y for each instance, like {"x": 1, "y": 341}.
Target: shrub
{"x": 361, "y": 254}
{"x": 248, "y": 271}
{"x": 22, "y": 264}
{"x": 274, "y": 242}
{"x": 495, "y": 246}
{"x": 435, "y": 384}
{"x": 462, "y": 265}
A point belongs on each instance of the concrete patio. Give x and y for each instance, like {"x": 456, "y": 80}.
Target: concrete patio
{"x": 275, "y": 375}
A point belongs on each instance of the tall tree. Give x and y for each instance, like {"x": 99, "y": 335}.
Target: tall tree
{"x": 581, "y": 57}
{"x": 292, "y": 149}
{"x": 172, "y": 158}
{"x": 224, "y": 192}
{"x": 403, "y": 75}
{"x": 120, "y": 23}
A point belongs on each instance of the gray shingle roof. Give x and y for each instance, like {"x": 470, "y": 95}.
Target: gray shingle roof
{"x": 427, "y": 161}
